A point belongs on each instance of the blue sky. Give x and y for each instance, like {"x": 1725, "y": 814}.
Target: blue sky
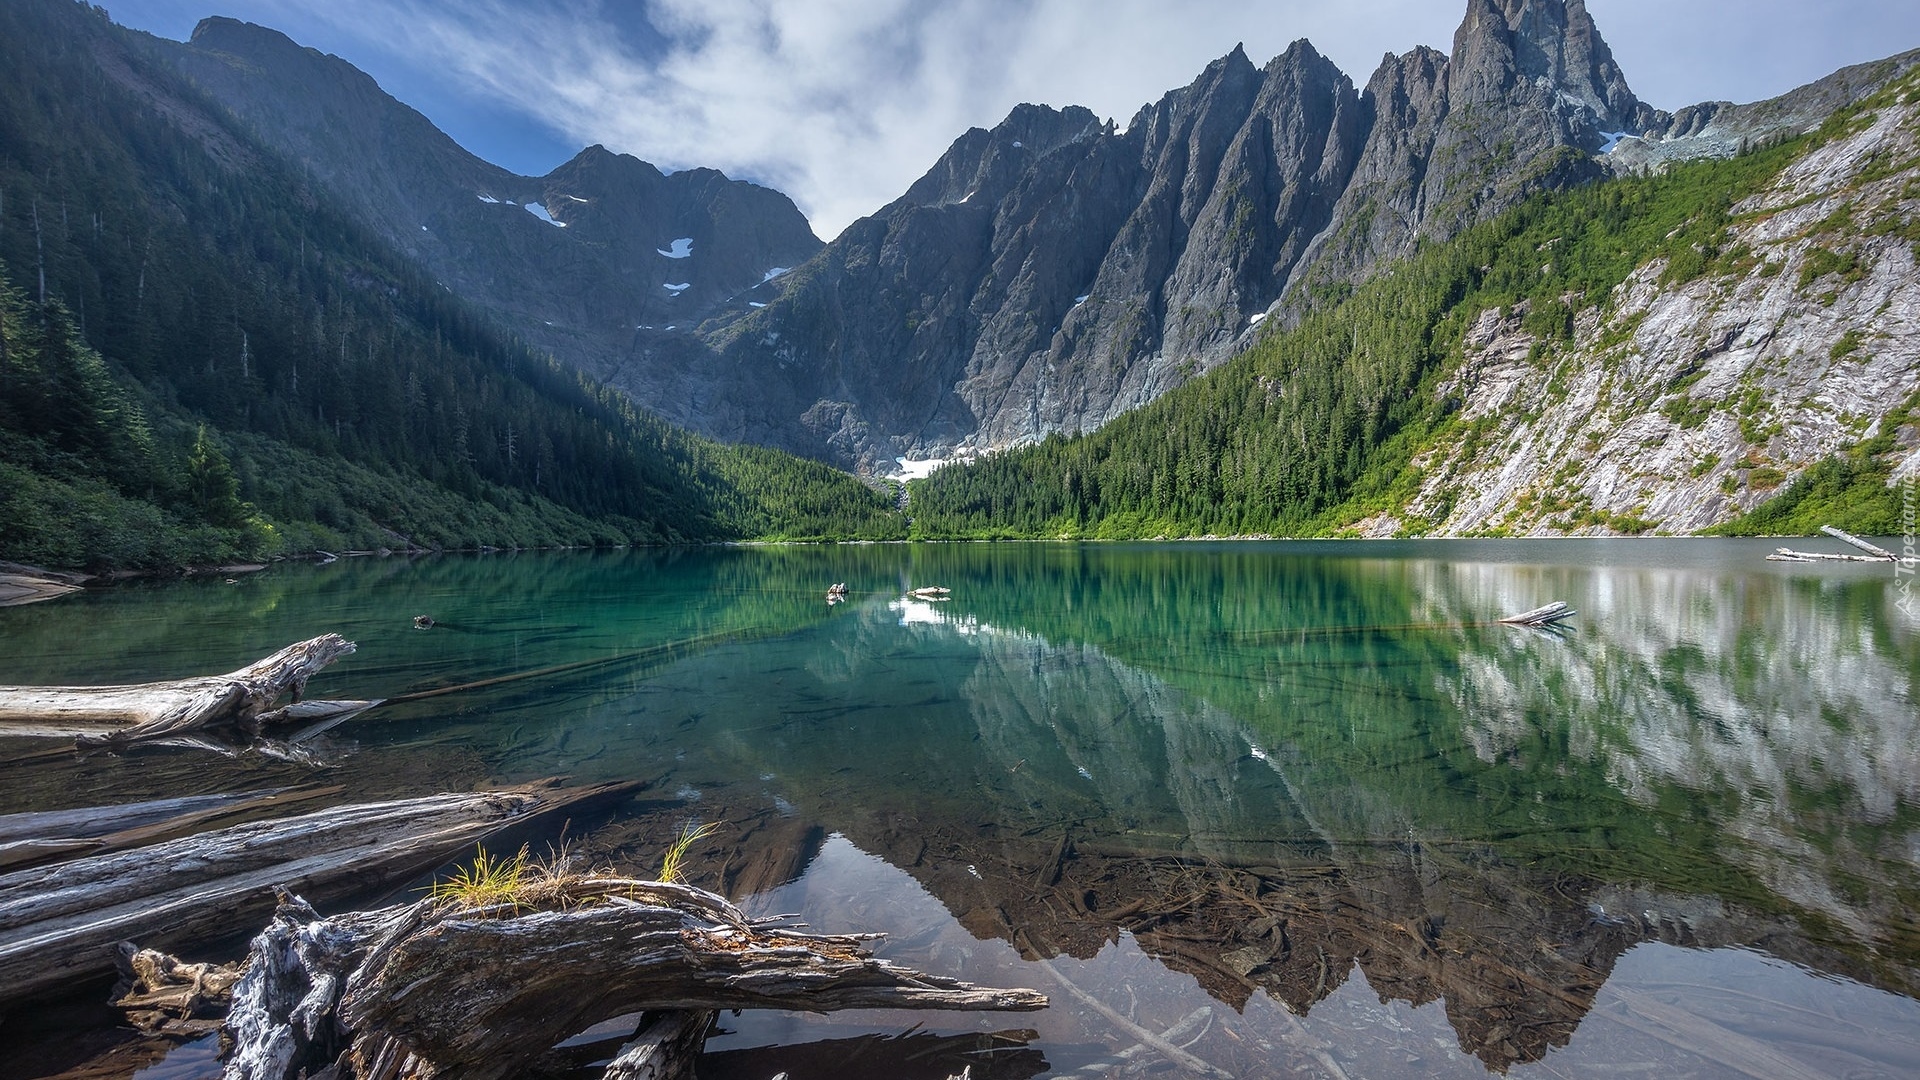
{"x": 843, "y": 103}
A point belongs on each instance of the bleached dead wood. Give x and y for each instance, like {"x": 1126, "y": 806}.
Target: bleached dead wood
{"x": 31, "y": 589}
{"x": 28, "y": 839}
{"x": 111, "y": 715}
{"x": 1790, "y": 555}
{"x": 59, "y": 923}
{"x": 665, "y": 1047}
{"x": 161, "y": 993}
{"x": 479, "y": 994}
{"x": 1547, "y": 615}
{"x": 1874, "y": 550}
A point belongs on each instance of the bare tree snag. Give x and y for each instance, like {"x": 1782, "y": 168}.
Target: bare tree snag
{"x": 59, "y": 923}
{"x": 425, "y": 991}
{"x": 114, "y": 715}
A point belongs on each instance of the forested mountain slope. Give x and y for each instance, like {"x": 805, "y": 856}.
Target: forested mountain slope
{"x": 1731, "y": 344}
{"x": 605, "y": 261}
{"x": 202, "y": 356}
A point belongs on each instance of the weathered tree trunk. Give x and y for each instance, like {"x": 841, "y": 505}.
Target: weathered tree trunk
{"x": 426, "y": 991}
{"x": 59, "y": 923}
{"x": 121, "y": 714}
{"x": 32, "y": 839}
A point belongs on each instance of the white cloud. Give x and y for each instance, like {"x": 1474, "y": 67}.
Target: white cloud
{"x": 843, "y": 103}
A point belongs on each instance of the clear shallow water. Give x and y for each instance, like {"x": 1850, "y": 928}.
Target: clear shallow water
{"x": 1299, "y": 804}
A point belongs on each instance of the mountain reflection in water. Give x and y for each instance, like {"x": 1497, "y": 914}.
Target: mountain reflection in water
{"x": 1282, "y": 808}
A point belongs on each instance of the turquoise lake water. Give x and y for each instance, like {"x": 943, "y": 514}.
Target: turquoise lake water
{"x": 1302, "y": 809}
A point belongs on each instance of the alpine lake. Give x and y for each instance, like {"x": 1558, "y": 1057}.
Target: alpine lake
{"x": 1300, "y": 809}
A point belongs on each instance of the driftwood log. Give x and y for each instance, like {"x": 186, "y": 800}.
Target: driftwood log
{"x": 1874, "y": 552}
{"x": 54, "y": 835}
{"x": 27, "y": 585}
{"x": 112, "y": 715}
{"x": 59, "y": 923}
{"x": 1545, "y": 616}
{"x": 425, "y": 990}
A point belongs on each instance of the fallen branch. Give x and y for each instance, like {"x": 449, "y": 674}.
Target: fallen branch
{"x": 1160, "y": 1044}
{"x": 427, "y": 991}
{"x": 116, "y": 715}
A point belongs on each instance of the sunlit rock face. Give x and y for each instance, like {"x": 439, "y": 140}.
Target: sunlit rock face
{"x": 1052, "y": 273}
{"x": 1683, "y": 405}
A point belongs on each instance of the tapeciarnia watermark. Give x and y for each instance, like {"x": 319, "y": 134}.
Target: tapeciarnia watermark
{"x": 1903, "y": 568}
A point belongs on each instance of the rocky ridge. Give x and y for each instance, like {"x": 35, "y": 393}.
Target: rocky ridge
{"x": 1674, "y": 408}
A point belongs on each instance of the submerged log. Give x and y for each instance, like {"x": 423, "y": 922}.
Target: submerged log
{"x": 114, "y": 715}
{"x": 29, "y": 839}
{"x": 426, "y": 990}
{"x": 59, "y": 923}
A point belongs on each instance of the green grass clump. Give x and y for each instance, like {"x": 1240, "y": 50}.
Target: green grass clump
{"x": 491, "y": 881}
{"x": 673, "y": 865}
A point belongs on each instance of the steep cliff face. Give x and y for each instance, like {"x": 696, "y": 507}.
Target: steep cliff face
{"x": 1676, "y": 407}
{"x": 587, "y": 261}
{"x": 1053, "y": 273}
{"x": 1528, "y": 96}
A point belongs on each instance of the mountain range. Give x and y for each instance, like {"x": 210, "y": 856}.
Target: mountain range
{"x": 1044, "y": 276}
{"x": 251, "y": 303}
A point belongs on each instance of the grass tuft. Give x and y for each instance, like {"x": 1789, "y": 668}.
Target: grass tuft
{"x": 491, "y": 881}
{"x": 673, "y": 863}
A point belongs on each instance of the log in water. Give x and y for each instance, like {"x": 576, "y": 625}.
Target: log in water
{"x": 61, "y": 922}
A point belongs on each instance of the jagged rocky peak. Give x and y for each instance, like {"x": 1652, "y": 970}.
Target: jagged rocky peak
{"x": 982, "y": 165}
{"x": 1528, "y": 94}
{"x": 1552, "y": 45}
{"x": 247, "y": 40}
